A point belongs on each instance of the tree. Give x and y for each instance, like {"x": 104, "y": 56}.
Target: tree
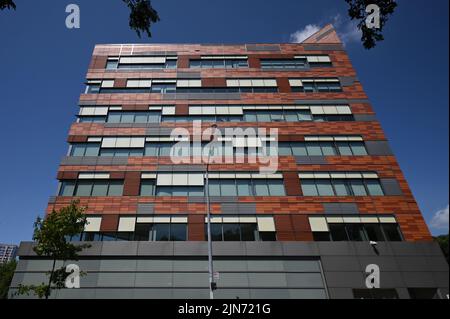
{"x": 142, "y": 14}
{"x": 443, "y": 242}
{"x": 7, "y": 4}
{"x": 357, "y": 11}
{"x": 6, "y": 276}
{"x": 50, "y": 235}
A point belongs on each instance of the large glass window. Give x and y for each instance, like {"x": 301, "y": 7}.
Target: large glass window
{"x": 360, "y": 232}
{"x": 85, "y": 149}
{"x": 218, "y": 63}
{"x": 134, "y": 117}
{"x": 341, "y": 187}
{"x": 318, "y": 86}
{"x": 237, "y": 232}
{"x": 91, "y": 188}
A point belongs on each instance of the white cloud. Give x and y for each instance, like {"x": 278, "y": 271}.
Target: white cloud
{"x": 347, "y": 30}
{"x": 440, "y": 219}
{"x": 301, "y": 35}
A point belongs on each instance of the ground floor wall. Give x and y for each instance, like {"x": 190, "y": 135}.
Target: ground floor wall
{"x": 246, "y": 270}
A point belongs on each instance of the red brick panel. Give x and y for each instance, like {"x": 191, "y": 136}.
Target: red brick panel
{"x": 183, "y": 62}
{"x": 77, "y": 139}
{"x": 301, "y": 227}
{"x": 120, "y": 83}
{"x": 100, "y": 62}
{"x": 67, "y": 175}
{"x": 214, "y": 82}
{"x": 254, "y": 62}
{"x": 283, "y": 85}
{"x": 182, "y": 109}
{"x": 132, "y": 184}
{"x": 196, "y": 227}
{"x": 292, "y": 184}
{"x": 110, "y": 223}
{"x": 117, "y": 175}
{"x": 284, "y": 228}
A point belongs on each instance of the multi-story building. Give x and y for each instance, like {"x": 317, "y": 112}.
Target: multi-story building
{"x": 335, "y": 207}
{"x": 7, "y": 253}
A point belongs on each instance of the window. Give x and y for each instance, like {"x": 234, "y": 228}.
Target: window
{"x": 134, "y": 117}
{"x": 91, "y": 188}
{"x": 147, "y": 188}
{"x": 85, "y": 149}
{"x": 163, "y": 88}
{"x": 237, "y": 232}
{"x": 341, "y": 187}
{"x": 320, "y": 149}
{"x": 286, "y": 64}
{"x": 246, "y": 187}
{"x": 92, "y": 119}
{"x": 160, "y": 232}
{"x": 315, "y": 86}
{"x": 392, "y": 232}
{"x": 357, "y": 231}
{"x": 218, "y": 63}
{"x": 179, "y": 191}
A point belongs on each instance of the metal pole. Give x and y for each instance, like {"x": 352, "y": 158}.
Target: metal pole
{"x": 208, "y": 212}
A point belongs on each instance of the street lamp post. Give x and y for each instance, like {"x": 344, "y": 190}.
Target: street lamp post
{"x": 212, "y": 284}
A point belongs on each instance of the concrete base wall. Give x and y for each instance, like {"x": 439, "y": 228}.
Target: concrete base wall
{"x": 247, "y": 270}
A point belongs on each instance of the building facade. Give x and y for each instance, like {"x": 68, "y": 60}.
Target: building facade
{"x": 7, "y": 253}
{"x": 335, "y": 207}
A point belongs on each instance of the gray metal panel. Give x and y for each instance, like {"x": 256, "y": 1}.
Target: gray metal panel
{"x": 83, "y": 103}
{"x": 365, "y": 117}
{"x": 201, "y": 96}
{"x": 233, "y": 280}
{"x": 378, "y": 148}
{"x": 229, "y": 249}
{"x": 385, "y": 263}
{"x": 308, "y": 280}
{"x": 415, "y": 279}
{"x": 340, "y": 293}
{"x": 128, "y": 265}
{"x": 181, "y": 168}
{"x": 223, "y": 199}
{"x": 391, "y": 187}
{"x": 189, "y": 75}
{"x": 263, "y": 249}
{"x": 155, "y": 249}
{"x": 255, "y": 47}
{"x": 267, "y": 280}
{"x": 323, "y": 47}
{"x": 412, "y": 263}
{"x": 145, "y": 209}
{"x": 340, "y": 208}
{"x": 304, "y": 249}
{"x": 238, "y": 208}
{"x": 347, "y": 80}
{"x": 147, "y": 280}
{"x": 191, "y": 280}
{"x": 336, "y": 248}
{"x": 158, "y": 265}
{"x": 224, "y": 293}
{"x": 311, "y": 160}
{"x": 269, "y": 293}
{"x": 122, "y": 248}
{"x": 340, "y": 279}
{"x": 158, "y": 131}
{"x": 155, "y": 53}
{"x": 190, "y": 248}
{"x": 340, "y": 263}
{"x": 265, "y": 265}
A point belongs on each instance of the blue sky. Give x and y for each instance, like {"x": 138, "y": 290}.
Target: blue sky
{"x": 43, "y": 65}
